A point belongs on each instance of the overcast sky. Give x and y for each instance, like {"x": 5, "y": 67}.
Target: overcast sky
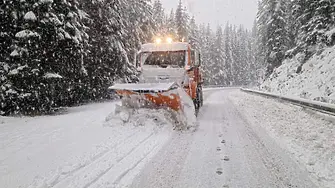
{"x": 219, "y": 11}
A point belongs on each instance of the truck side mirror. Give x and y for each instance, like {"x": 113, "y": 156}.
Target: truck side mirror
{"x": 193, "y": 59}
{"x": 197, "y": 59}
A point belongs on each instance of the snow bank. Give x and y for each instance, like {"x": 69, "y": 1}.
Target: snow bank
{"x": 307, "y": 136}
{"x": 316, "y": 81}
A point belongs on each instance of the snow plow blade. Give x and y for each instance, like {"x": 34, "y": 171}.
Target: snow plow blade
{"x": 157, "y": 95}
{"x": 141, "y": 95}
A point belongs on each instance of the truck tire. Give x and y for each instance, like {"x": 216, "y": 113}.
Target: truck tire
{"x": 198, "y": 100}
{"x": 200, "y": 97}
{"x": 196, "y": 104}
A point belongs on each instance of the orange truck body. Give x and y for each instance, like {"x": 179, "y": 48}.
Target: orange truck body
{"x": 171, "y": 99}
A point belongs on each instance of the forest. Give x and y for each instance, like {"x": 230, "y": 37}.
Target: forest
{"x": 287, "y": 28}
{"x": 59, "y": 53}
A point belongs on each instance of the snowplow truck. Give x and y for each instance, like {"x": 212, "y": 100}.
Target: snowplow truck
{"x": 170, "y": 77}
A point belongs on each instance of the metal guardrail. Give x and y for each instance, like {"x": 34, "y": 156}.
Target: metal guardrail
{"x": 220, "y": 86}
{"x": 315, "y": 105}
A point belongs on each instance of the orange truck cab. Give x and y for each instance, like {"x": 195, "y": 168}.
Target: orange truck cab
{"x": 172, "y": 62}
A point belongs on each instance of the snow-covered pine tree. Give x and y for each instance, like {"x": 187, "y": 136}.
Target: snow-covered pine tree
{"x": 331, "y": 33}
{"x": 8, "y": 28}
{"x": 259, "y": 67}
{"x": 69, "y": 51}
{"x": 291, "y": 25}
{"x": 227, "y": 53}
{"x": 235, "y": 55}
{"x": 181, "y": 21}
{"x": 274, "y": 37}
{"x": 318, "y": 19}
{"x": 104, "y": 60}
{"x": 243, "y": 56}
{"x": 193, "y": 34}
{"x": 38, "y": 55}
{"x": 159, "y": 17}
{"x": 207, "y": 41}
{"x": 218, "y": 70}
{"x": 170, "y": 25}
{"x": 139, "y": 25}
{"x": 300, "y": 8}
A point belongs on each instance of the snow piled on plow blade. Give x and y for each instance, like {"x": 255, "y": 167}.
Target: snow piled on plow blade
{"x": 142, "y": 87}
{"x": 130, "y": 114}
{"x": 154, "y": 101}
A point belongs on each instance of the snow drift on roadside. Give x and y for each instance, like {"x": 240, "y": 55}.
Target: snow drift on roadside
{"x": 309, "y": 137}
{"x": 316, "y": 81}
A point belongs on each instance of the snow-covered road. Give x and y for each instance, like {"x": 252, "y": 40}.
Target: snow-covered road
{"x": 237, "y": 144}
{"x": 225, "y": 151}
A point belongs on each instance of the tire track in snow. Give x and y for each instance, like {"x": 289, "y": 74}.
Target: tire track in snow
{"x": 117, "y": 161}
{"x": 167, "y": 165}
{"x": 124, "y": 172}
{"x": 86, "y": 176}
{"x": 63, "y": 176}
{"x": 119, "y": 178}
{"x": 92, "y": 160}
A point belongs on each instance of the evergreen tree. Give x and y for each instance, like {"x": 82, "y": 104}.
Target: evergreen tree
{"x": 274, "y": 36}
{"x": 304, "y": 26}
{"x": 39, "y": 31}
{"x": 227, "y": 55}
{"x": 218, "y": 67}
{"x": 66, "y": 52}
{"x": 316, "y": 19}
{"x": 227, "y": 52}
{"x": 159, "y": 17}
{"x": 194, "y": 34}
{"x": 207, "y": 41}
{"x": 181, "y": 21}
{"x": 103, "y": 62}
{"x": 60, "y": 53}
{"x": 234, "y": 53}
{"x": 291, "y": 25}
{"x": 171, "y": 25}
{"x": 257, "y": 58}
{"x": 139, "y": 25}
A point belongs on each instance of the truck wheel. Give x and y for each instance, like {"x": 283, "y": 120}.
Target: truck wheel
{"x": 196, "y": 104}
{"x": 201, "y": 97}
{"x": 197, "y": 101}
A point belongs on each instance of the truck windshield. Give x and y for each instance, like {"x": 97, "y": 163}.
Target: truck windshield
{"x": 164, "y": 59}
